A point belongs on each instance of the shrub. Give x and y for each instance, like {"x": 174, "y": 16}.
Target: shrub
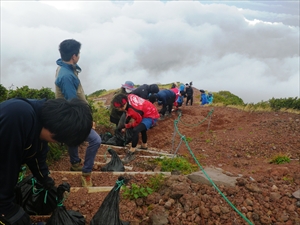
{"x": 178, "y": 163}
{"x": 280, "y": 159}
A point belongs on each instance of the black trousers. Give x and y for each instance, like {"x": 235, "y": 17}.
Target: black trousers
{"x": 188, "y": 98}
{"x": 141, "y": 128}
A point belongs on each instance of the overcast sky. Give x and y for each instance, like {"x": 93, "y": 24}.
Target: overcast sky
{"x": 250, "y": 48}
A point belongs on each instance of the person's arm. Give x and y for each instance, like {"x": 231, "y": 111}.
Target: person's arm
{"x": 38, "y": 165}
{"x": 68, "y": 86}
{"x": 17, "y": 128}
{"x": 137, "y": 118}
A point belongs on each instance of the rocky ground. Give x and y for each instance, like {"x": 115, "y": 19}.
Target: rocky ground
{"x": 240, "y": 144}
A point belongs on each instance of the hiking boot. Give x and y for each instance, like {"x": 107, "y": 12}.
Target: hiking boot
{"x": 130, "y": 156}
{"x": 144, "y": 146}
{"x": 76, "y": 166}
{"x": 86, "y": 180}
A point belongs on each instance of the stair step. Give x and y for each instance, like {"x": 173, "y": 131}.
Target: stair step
{"x": 149, "y": 150}
{"x": 113, "y": 173}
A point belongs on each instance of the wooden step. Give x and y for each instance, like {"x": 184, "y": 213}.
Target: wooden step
{"x": 108, "y": 156}
{"x": 149, "y": 150}
{"x": 53, "y": 172}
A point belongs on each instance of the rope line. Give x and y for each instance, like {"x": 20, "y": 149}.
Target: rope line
{"x": 119, "y": 183}
{"x": 182, "y": 138}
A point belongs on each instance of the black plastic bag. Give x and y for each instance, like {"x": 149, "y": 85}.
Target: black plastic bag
{"x": 108, "y": 213}
{"x": 40, "y": 201}
{"x": 105, "y": 137}
{"x": 23, "y": 190}
{"x": 62, "y": 216}
{"x": 115, "y": 163}
{"x": 124, "y": 138}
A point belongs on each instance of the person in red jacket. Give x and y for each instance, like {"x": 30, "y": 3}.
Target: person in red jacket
{"x": 141, "y": 115}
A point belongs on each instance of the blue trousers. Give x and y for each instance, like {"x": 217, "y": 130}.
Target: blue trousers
{"x": 94, "y": 141}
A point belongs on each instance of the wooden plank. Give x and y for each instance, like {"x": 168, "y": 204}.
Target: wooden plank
{"x": 93, "y": 189}
{"x": 140, "y": 156}
{"x": 150, "y": 150}
{"x": 114, "y": 173}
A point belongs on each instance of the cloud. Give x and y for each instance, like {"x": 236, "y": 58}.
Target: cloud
{"x": 245, "y": 47}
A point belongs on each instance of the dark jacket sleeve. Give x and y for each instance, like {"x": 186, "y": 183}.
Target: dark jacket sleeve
{"x": 37, "y": 164}
{"x": 17, "y": 127}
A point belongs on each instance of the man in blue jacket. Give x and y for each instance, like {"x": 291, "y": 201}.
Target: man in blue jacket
{"x": 203, "y": 97}
{"x": 166, "y": 98}
{"x": 68, "y": 86}
{"x": 26, "y": 127}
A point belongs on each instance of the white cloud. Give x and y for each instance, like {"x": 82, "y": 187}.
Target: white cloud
{"x": 247, "y": 48}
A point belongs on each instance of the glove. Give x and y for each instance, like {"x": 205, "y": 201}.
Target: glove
{"x": 16, "y": 217}
{"x": 48, "y": 183}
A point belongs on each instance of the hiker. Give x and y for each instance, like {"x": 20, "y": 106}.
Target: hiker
{"x": 189, "y": 93}
{"x": 203, "y": 97}
{"x": 210, "y": 97}
{"x": 115, "y": 115}
{"x": 68, "y": 86}
{"x": 145, "y": 90}
{"x": 26, "y": 127}
{"x": 175, "y": 89}
{"x": 166, "y": 98}
{"x": 141, "y": 115}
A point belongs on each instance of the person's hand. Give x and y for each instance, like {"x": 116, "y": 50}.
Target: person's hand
{"x": 16, "y": 217}
{"x": 94, "y": 125}
{"x": 123, "y": 130}
{"x": 48, "y": 183}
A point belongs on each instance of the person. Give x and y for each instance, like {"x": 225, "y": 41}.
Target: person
{"x": 166, "y": 98}
{"x": 175, "y": 89}
{"x": 189, "y": 92}
{"x": 26, "y": 127}
{"x": 210, "y": 97}
{"x": 145, "y": 90}
{"x": 68, "y": 86}
{"x": 203, "y": 98}
{"x": 115, "y": 115}
{"x": 141, "y": 115}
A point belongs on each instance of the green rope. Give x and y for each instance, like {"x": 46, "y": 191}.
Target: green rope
{"x": 214, "y": 185}
{"x": 22, "y": 174}
{"x": 64, "y": 198}
{"x": 119, "y": 183}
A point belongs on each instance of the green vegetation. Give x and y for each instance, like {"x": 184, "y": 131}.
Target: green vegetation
{"x": 152, "y": 184}
{"x": 56, "y": 151}
{"x": 178, "y": 163}
{"x": 136, "y": 191}
{"x": 227, "y": 98}
{"x": 280, "y": 159}
{"x": 156, "y": 181}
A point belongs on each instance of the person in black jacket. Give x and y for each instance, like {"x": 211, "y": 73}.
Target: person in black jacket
{"x": 26, "y": 127}
{"x": 145, "y": 90}
{"x": 189, "y": 93}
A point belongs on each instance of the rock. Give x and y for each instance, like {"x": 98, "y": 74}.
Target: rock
{"x": 274, "y": 196}
{"x": 159, "y": 216}
{"x": 296, "y": 194}
{"x": 253, "y": 188}
{"x": 215, "y": 175}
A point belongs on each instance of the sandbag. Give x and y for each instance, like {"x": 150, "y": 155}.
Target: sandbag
{"x": 40, "y": 201}
{"x": 23, "y": 190}
{"x": 62, "y": 216}
{"x": 108, "y": 213}
{"x": 105, "y": 137}
{"x": 115, "y": 163}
